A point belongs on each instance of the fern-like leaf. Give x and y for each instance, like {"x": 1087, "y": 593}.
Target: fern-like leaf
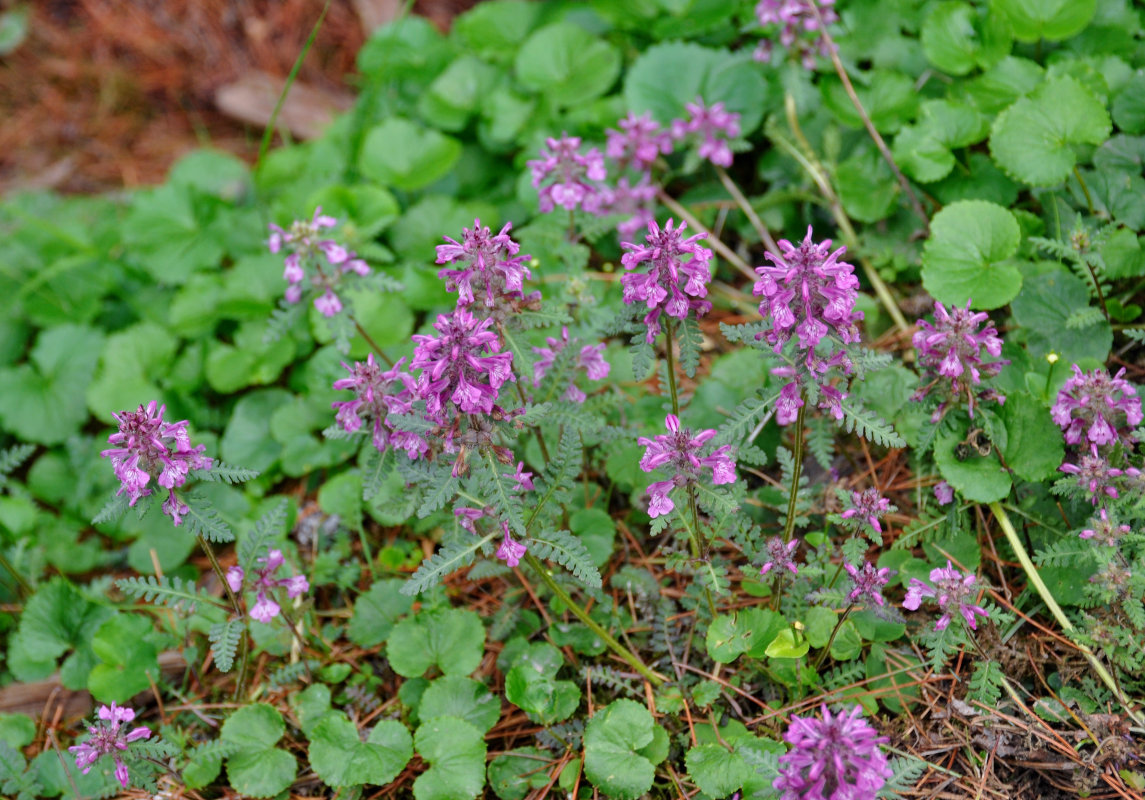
{"x": 203, "y": 520}
{"x": 226, "y": 473}
{"x": 869, "y": 425}
{"x": 691, "y": 342}
{"x": 568, "y": 551}
{"x": 169, "y": 591}
{"x": 224, "y": 637}
{"x": 745, "y": 417}
{"x": 497, "y": 488}
{"x": 282, "y": 319}
{"x": 438, "y": 494}
{"x": 986, "y": 683}
{"x": 12, "y": 457}
{"x": 446, "y": 561}
{"x": 374, "y": 472}
{"x": 115, "y": 507}
{"x": 267, "y": 528}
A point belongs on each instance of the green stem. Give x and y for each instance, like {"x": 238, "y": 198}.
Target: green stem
{"x": 746, "y": 207}
{"x": 633, "y": 660}
{"x": 823, "y": 653}
{"x": 1084, "y": 189}
{"x": 222, "y": 576}
{"x": 373, "y": 345}
{"x": 25, "y": 587}
{"x": 1052, "y": 604}
{"x": 793, "y": 495}
{"x": 672, "y": 370}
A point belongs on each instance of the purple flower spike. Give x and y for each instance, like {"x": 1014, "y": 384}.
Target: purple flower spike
{"x": 1105, "y": 531}
{"x": 590, "y": 359}
{"x": 1096, "y": 409}
{"x": 865, "y": 510}
{"x": 109, "y": 738}
{"x": 510, "y": 551}
{"x": 780, "y": 555}
{"x": 565, "y": 177}
{"x": 635, "y": 203}
{"x": 795, "y": 16}
{"x": 639, "y": 142}
{"x": 147, "y": 447}
{"x": 1095, "y": 475}
{"x": 808, "y": 291}
{"x": 953, "y": 592}
{"x": 671, "y": 285}
{"x": 867, "y": 584}
{"x": 713, "y": 126}
{"x": 950, "y": 356}
{"x": 264, "y": 583}
{"x": 483, "y": 265}
{"x": 680, "y": 451}
{"x": 836, "y": 758}
{"x": 307, "y": 251}
{"x": 378, "y": 394}
{"x": 462, "y": 366}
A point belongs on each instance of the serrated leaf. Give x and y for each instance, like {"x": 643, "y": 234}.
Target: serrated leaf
{"x": 967, "y": 256}
{"x": 612, "y": 739}
{"x": 567, "y": 64}
{"x": 226, "y": 473}
{"x": 446, "y": 561}
{"x": 461, "y": 697}
{"x": 715, "y": 770}
{"x": 451, "y": 639}
{"x": 1053, "y": 20}
{"x": 341, "y": 758}
{"x": 203, "y": 520}
{"x": 956, "y": 38}
{"x": 225, "y": 638}
{"x": 455, "y": 751}
{"x": 568, "y": 551}
{"x": 170, "y": 591}
{"x": 406, "y": 155}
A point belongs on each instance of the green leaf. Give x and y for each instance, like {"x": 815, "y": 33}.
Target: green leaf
{"x": 402, "y": 153}
{"x": 568, "y": 551}
{"x": 1032, "y": 139}
{"x": 1054, "y": 20}
{"x": 455, "y": 751}
{"x": 513, "y": 774}
{"x": 1034, "y": 445}
{"x": 1046, "y": 302}
{"x": 376, "y": 612}
{"x": 923, "y": 150}
{"x": 611, "y": 741}
{"x": 957, "y": 38}
{"x": 867, "y": 187}
{"x": 40, "y": 402}
{"x": 247, "y": 438}
{"x": 452, "y": 639}
{"x": 458, "y": 696}
{"x": 261, "y": 773}
{"x": 495, "y": 29}
{"x": 665, "y": 77}
{"x": 258, "y": 726}
{"x": 532, "y": 686}
{"x": 17, "y": 730}
{"x": 567, "y": 64}
{"x": 597, "y": 530}
{"x": 1001, "y": 85}
{"x": 341, "y": 758}
{"x": 130, "y": 360}
{"x": 456, "y": 94}
{"x": 785, "y": 645}
{"x": 848, "y": 643}
{"x": 311, "y": 706}
{"x": 750, "y": 630}
{"x": 450, "y": 558}
{"x": 129, "y": 662}
{"x": 889, "y": 98}
{"x": 967, "y": 255}
{"x": 55, "y": 620}
{"x": 13, "y": 29}
{"x": 979, "y": 479}
{"x": 717, "y": 771}
{"x": 1129, "y": 105}
{"x": 167, "y": 232}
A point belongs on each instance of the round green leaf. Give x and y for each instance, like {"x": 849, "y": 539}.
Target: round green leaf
{"x": 956, "y": 38}
{"x": 513, "y": 774}
{"x": 966, "y": 256}
{"x": 452, "y": 639}
{"x": 611, "y": 741}
{"x": 458, "y": 696}
{"x": 567, "y": 63}
{"x": 1032, "y": 139}
{"x": 866, "y": 186}
{"x": 1054, "y": 20}
{"x": 1129, "y": 105}
{"x": 128, "y": 661}
{"x": 255, "y": 727}
{"x": 130, "y": 361}
{"x": 785, "y": 645}
{"x": 889, "y": 99}
{"x": 848, "y": 643}
{"x": 1044, "y": 309}
{"x": 979, "y": 479}
{"x": 261, "y": 773}
{"x": 455, "y": 751}
{"x": 402, "y": 153}
{"x": 495, "y": 29}
{"x": 341, "y": 758}
{"x": 247, "y": 438}
{"x": 376, "y": 611}
{"x": 715, "y": 770}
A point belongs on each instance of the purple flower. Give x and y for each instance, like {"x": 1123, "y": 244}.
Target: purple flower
{"x": 108, "y": 738}
{"x": 680, "y": 451}
{"x": 943, "y": 493}
{"x": 953, "y": 592}
{"x": 780, "y": 555}
{"x": 264, "y": 583}
{"x": 713, "y": 126}
{"x": 794, "y": 16}
{"x": 1105, "y": 531}
{"x": 671, "y": 285}
{"x": 864, "y": 509}
{"x": 483, "y": 264}
{"x": 590, "y": 359}
{"x": 466, "y": 517}
{"x": 788, "y": 405}
{"x": 635, "y": 203}
{"x": 328, "y": 303}
{"x": 308, "y": 249}
{"x": 639, "y": 142}
{"x": 524, "y": 480}
{"x": 510, "y": 551}
{"x": 1097, "y": 409}
{"x": 1095, "y": 475}
{"x": 565, "y": 177}
{"x": 378, "y": 394}
{"x": 462, "y": 366}
{"x": 148, "y": 447}
{"x": 867, "y": 584}
{"x": 950, "y": 356}
{"x": 836, "y": 758}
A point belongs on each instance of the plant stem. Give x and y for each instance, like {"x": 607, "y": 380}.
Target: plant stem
{"x": 632, "y": 659}
{"x": 373, "y": 345}
{"x": 25, "y": 587}
{"x": 1084, "y": 189}
{"x": 834, "y": 631}
{"x": 672, "y": 370}
{"x": 793, "y": 495}
{"x": 721, "y": 248}
{"x": 746, "y": 207}
{"x": 222, "y": 576}
{"x": 1052, "y": 604}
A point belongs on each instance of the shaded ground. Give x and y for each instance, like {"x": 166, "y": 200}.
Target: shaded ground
{"x": 108, "y": 93}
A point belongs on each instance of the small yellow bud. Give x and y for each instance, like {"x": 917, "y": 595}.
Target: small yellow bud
{"x": 1052, "y": 357}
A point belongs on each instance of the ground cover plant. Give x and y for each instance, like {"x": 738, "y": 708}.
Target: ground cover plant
{"x": 670, "y": 398}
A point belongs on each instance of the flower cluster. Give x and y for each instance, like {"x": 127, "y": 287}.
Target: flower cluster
{"x": 1095, "y": 475}
{"x": 671, "y": 285}
{"x": 590, "y": 359}
{"x": 780, "y": 555}
{"x": 795, "y": 17}
{"x": 950, "y": 355}
{"x": 680, "y": 450}
{"x": 485, "y": 265}
{"x": 867, "y": 584}
{"x": 462, "y": 365}
{"x": 633, "y": 202}
{"x": 1097, "y": 408}
{"x": 307, "y": 249}
{"x": 109, "y": 737}
{"x": 565, "y": 177}
{"x": 711, "y": 126}
{"x": 264, "y": 583}
{"x": 952, "y": 590}
{"x": 146, "y": 448}
{"x": 638, "y": 143}
{"x": 1105, "y": 531}
{"x": 835, "y": 758}
{"x": 864, "y": 510}
{"x": 377, "y": 395}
